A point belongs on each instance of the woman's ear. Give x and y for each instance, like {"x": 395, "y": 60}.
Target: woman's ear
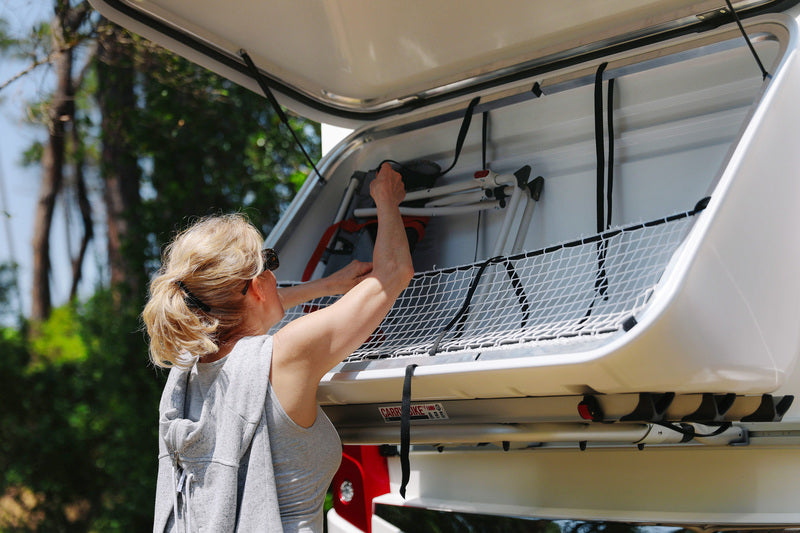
{"x": 259, "y": 287}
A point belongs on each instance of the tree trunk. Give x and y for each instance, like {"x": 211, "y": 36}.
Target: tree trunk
{"x": 118, "y": 163}
{"x": 61, "y": 112}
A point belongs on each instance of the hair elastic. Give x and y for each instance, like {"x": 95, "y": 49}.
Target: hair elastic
{"x": 192, "y": 300}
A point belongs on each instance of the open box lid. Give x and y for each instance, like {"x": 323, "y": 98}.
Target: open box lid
{"x": 346, "y": 62}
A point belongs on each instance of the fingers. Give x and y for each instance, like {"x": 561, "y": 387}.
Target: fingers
{"x": 387, "y": 170}
{"x": 387, "y": 186}
{"x": 356, "y": 269}
{"x": 348, "y": 276}
{"x": 360, "y": 268}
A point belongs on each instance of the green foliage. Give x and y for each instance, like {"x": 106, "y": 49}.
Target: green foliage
{"x": 81, "y": 432}
{"x": 126, "y": 390}
{"x": 59, "y": 340}
{"x": 33, "y": 155}
{"x": 44, "y": 448}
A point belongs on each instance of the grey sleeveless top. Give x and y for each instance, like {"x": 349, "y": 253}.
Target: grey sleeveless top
{"x": 304, "y": 459}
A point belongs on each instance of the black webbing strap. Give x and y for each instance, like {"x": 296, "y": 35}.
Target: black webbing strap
{"x": 601, "y": 283}
{"x": 600, "y": 149}
{"x": 603, "y": 220}
{"x": 462, "y": 133}
{"x": 262, "y": 82}
{"x": 603, "y": 217}
{"x": 405, "y": 430}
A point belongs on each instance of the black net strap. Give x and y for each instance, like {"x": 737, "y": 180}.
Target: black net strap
{"x": 405, "y": 430}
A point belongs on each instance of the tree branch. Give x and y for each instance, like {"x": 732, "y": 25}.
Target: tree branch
{"x": 86, "y": 212}
{"x": 86, "y": 66}
{"x": 47, "y": 59}
{"x": 77, "y": 16}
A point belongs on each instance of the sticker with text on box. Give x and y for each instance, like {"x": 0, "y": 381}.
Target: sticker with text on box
{"x": 419, "y": 411}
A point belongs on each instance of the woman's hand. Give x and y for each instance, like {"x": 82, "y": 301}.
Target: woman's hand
{"x": 346, "y": 278}
{"x": 387, "y": 188}
{"x": 339, "y": 282}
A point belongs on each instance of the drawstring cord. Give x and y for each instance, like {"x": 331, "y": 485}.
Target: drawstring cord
{"x": 182, "y": 487}
{"x": 175, "y": 496}
{"x": 188, "y": 503}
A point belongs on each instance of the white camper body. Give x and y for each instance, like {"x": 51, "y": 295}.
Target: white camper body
{"x": 617, "y": 345}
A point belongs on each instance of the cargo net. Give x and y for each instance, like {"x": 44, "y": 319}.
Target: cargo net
{"x": 587, "y": 287}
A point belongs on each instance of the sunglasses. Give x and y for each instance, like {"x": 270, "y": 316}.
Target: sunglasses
{"x": 271, "y": 262}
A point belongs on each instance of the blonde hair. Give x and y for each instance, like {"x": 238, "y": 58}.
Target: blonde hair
{"x": 210, "y": 261}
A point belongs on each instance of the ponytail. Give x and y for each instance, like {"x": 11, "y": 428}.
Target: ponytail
{"x": 195, "y": 302}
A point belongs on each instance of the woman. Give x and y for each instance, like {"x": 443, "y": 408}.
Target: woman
{"x": 243, "y": 443}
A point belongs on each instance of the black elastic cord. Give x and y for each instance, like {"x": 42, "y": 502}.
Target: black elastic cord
{"x": 192, "y": 300}
{"x": 689, "y": 432}
{"x": 477, "y": 236}
{"x": 601, "y": 283}
{"x": 484, "y": 143}
{"x": 460, "y": 313}
{"x": 602, "y": 277}
{"x": 519, "y": 290}
{"x": 262, "y": 82}
{"x": 405, "y": 430}
{"x": 764, "y": 73}
{"x": 610, "y": 180}
{"x": 484, "y": 138}
{"x": 460, "y": 317}
{"x": 462, "y": 135}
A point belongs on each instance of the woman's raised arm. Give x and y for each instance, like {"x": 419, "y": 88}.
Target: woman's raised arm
{"x": 306, "y": 348}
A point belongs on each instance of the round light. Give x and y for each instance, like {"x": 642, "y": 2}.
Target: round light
{"x": 346, "y": 492}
